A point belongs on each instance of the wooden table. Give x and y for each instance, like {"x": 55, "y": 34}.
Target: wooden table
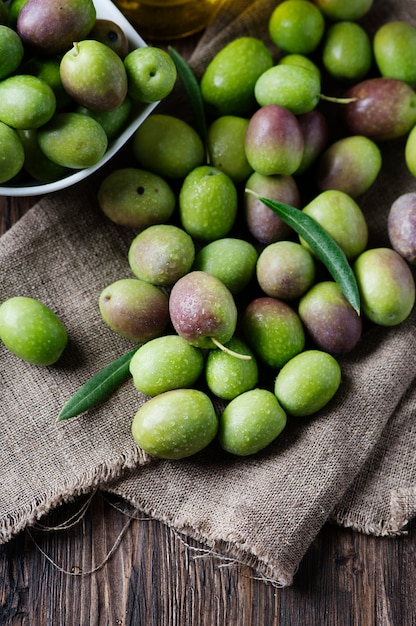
{"x": 144, "y": 574}
{"x": 155, "y": 578}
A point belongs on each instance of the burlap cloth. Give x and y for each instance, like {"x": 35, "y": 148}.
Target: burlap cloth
{"x": 353, "y": 463}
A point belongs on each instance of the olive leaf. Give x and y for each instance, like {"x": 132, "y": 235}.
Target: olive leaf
{"x": 98, "y": 388}
{"x": 322, "y": 244}
{"x": 193, "y": 91}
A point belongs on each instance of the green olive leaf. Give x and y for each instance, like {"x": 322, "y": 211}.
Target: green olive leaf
{"x": 193, "y": 91}
{"x": 97, "y": 388}
{"x": 322, "y": 244}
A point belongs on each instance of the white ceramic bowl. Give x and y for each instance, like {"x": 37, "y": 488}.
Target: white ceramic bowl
{"x": 105, "y": 10}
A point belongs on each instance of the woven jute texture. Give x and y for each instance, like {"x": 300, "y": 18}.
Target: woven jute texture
{"x": 353, "y": 462}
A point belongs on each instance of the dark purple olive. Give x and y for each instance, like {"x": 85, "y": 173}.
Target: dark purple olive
{"x": 383, "y": 108}
{"x": 401, "y": 226}
{"x": 331, "y": 322}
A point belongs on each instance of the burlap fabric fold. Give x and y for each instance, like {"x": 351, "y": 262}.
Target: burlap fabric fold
{"x": 354, "y": 462}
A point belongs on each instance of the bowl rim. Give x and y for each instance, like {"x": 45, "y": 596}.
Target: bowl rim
{"x": 105, "y": 9}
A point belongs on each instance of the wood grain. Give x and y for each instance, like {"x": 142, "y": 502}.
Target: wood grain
{"x": 156, "y": 578}
{"x": 12, "y": 209}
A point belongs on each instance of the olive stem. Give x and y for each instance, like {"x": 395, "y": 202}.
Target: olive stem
{"x": 237, "y": 355}
{"x": 337, "y": 100}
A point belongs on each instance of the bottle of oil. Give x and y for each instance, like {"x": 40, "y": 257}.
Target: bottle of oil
{"x": 169, "y": 19}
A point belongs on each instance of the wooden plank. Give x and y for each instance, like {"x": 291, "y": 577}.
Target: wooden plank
{"x": 156, "y": 578}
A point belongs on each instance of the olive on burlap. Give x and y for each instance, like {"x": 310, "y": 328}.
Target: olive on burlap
{"x": 353, "y": 464}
